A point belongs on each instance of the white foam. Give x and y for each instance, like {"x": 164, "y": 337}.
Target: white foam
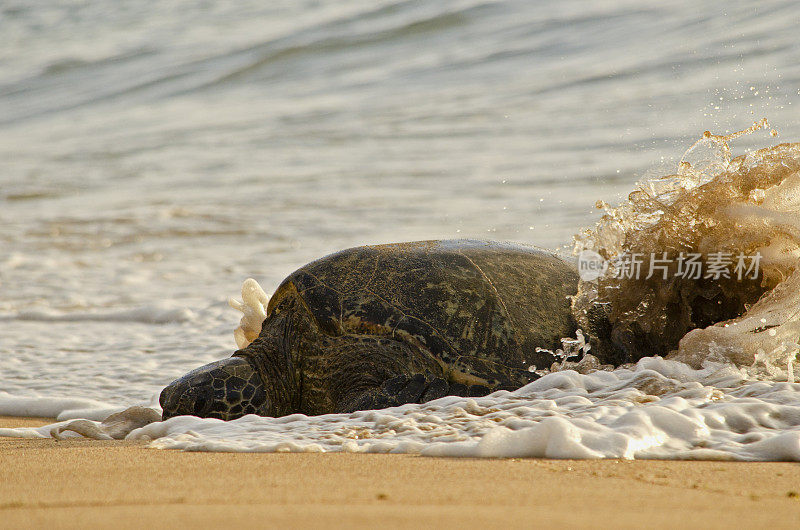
{"x": 49, "y": 407}
{"x": 254, "y": 310}
{"x": 157, "y": 313}
{"x": 657, "y": 409}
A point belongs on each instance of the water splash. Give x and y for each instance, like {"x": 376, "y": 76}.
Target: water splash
{"x": 254, "y": 310}
{"x": 747, "y": 205}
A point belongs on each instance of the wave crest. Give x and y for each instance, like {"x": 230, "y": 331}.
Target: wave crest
{"x": 713, "y": 206}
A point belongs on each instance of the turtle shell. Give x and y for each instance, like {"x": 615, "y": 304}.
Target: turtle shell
{"x": 476, "y": 306}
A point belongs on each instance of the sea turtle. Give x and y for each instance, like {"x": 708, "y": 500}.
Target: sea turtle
{"x": 378, "y": 326}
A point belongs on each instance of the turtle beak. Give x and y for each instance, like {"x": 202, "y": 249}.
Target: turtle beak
{"x": 226, "y": 389}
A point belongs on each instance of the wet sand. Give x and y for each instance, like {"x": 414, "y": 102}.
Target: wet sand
{"x": 88, "y": 483}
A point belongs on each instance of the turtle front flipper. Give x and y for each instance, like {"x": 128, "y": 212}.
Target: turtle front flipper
{"x": 356, "y": 372}
{"x": 403, "y": 389}
{"x": 399, "y": 390}
{"x": 366, "y": 372}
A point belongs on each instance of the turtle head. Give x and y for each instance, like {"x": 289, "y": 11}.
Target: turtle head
{"x": 226, "y": 389}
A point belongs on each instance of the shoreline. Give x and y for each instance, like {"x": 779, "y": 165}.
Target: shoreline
{"x": 76, "y": 483}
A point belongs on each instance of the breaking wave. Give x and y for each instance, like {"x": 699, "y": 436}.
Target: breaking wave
{"x": 160, "y": 313}
{"x": 742, "y": 210}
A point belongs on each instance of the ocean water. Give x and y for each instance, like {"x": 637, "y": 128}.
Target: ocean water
{"x": 156, "y": 154}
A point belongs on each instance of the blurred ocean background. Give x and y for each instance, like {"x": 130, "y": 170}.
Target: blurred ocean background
{"x": 154, "y": 154}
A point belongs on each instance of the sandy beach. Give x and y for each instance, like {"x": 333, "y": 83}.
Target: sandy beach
{"x": 86, "y": 483}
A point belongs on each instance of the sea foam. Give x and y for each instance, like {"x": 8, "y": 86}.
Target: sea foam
{"x": 656, "y": 409}
{"x": 158, "y": 313}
